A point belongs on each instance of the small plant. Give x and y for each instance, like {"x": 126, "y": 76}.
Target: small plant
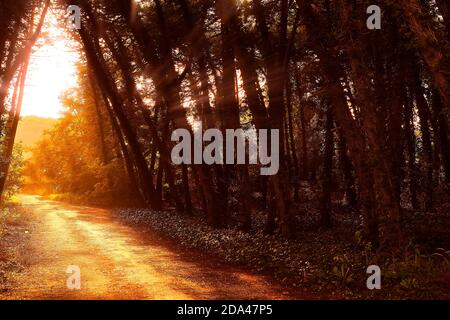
{"x": 409, "y": 284}
{"x": 342, "y": 271}
{"x": 358, "y": 237}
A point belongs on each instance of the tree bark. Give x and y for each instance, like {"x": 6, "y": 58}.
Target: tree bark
{"x": 325, "y": 212}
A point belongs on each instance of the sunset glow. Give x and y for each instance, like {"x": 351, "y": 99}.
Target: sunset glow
{"x": 52, "y": 71}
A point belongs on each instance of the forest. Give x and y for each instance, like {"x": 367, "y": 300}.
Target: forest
{"x": 362, "y": 115}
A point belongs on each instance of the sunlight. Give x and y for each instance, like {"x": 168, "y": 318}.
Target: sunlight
{"x": 224, "y": 150}
{"x": 52, "y": 71}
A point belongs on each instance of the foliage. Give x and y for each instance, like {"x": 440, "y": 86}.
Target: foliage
{"x": 15, "y": 179}
{"x": 68, "y": 162}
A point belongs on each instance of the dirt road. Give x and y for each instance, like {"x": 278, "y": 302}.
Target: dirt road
{"x": 117, "y": 262}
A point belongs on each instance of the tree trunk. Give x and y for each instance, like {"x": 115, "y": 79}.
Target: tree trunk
{"x": 325, "y": 212}
{"x": 424, "y": 119}
{"x": 429, "y": 46}
{"x": 108, "y": 86}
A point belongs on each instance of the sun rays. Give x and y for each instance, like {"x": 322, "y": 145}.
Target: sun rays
{"x": 52, "y": 71}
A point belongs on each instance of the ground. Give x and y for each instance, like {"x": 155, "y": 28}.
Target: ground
{"x": 145, "y": 254}
{"x": 117, "y": 261}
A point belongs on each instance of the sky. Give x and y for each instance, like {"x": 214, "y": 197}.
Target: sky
{"x": 52, "y": 71}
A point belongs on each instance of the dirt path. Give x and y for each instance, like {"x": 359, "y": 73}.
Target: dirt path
{"x": 117, "y": 262}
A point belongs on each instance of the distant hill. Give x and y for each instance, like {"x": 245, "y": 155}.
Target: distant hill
{"x": 31, "y": 129}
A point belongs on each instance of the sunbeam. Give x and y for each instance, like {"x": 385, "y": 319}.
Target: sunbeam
{"x": 52, "y": 71}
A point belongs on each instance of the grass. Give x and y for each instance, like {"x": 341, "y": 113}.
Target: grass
{"x": 12, "y": 230}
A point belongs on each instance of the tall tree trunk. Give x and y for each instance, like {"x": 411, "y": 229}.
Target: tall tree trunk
{"x": 304, "y": 145}
{"x": 108, "y": 86}
{"x": 100, "y": 128}
{"x": 275, "y": 84}
{"x": 346, "y": 167}
{"x": 388, "y": 205}
{"x": 424, "y": 119}
{"x": 411, "y": 150}
{"x": 11, "y": 135}
{"x": 443, "y": 133}
{"x": 350, "y": 127}
{"x": 230, "y": 113}
{"x": 325, "y": 212}
{"x": 127, "y": 157}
